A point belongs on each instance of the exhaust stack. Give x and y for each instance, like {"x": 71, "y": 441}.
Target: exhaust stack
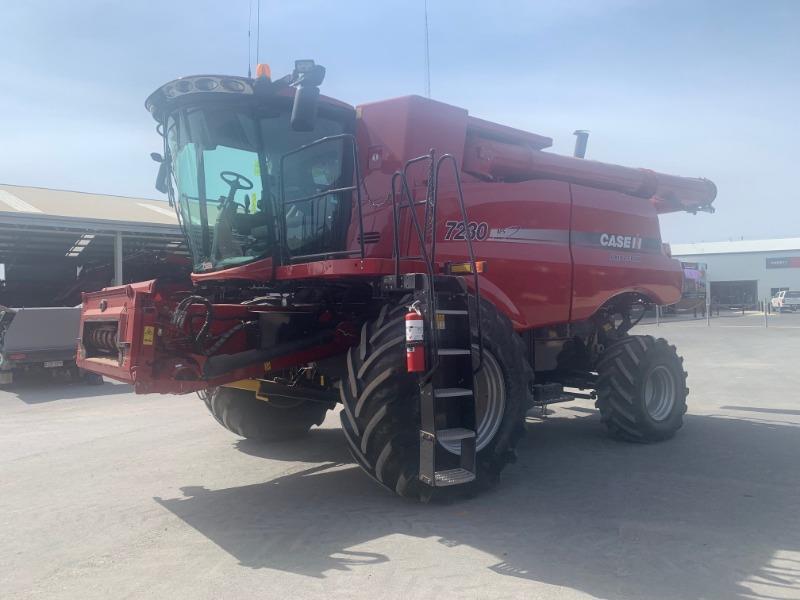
{"x": 581, "y": 139}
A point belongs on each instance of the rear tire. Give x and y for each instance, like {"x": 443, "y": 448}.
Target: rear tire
{"x": 240, "y": 412}
{"x": 641, "y": 389}
{"x": 380, "y": 416}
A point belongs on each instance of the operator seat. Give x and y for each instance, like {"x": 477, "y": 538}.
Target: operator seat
{"x": 234, "y": 229}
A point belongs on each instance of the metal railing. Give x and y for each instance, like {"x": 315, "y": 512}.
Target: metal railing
{"x": 427, "y": 230}
{"x": 286, "y": 255}
{"x": 761, "y": 314}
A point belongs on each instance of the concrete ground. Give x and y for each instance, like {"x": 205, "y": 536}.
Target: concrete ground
{"x": 109, "y": 495}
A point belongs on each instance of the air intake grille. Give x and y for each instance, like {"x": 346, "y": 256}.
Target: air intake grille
{"x": 370, "y": 237}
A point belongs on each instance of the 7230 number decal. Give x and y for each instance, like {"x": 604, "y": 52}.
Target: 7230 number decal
{"x": 476, "y": 231}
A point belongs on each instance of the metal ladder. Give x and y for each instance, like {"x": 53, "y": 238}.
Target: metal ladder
{"x": 447, "y": 389}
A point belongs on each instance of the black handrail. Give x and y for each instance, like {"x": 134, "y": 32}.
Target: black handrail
{"x": 406, "y": 192}
{"x": 429, "y": 257}
{"x": 429, "y": 265}
{"x": 429, "y": 193}
{"x": 465, "y": 220}
{"x": 284, "y": 249}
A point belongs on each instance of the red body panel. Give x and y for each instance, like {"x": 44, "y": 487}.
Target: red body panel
{"x": 601, "y": 272}
{"x": 527, "y": 254}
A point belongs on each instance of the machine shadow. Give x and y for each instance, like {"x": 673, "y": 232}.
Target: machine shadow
{"x": 703, "y": 516}
{"x": 321, "y": 445}
{"x": 768, "y": 411}
{"x": 32, "y": 391}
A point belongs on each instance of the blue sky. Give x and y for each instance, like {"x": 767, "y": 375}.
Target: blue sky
{"x": 687, "y": 87}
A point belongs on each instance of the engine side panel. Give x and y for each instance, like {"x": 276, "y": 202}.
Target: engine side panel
{"x": 522, "y": 231}
{"x": 617, "y": 248}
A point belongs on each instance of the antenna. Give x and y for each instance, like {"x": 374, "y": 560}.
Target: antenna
{"x": 427, "y": 56}
{"x": 258, "y": 27}
{"x": 249, "y": 44}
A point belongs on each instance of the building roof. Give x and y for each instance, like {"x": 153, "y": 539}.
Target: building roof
{"x": 46, "y": 225}
{"x": 736, "y": 247}
{"x": 33, "y": 205}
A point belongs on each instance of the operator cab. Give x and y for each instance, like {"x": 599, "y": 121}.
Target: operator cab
{"x": 256, "y": 168}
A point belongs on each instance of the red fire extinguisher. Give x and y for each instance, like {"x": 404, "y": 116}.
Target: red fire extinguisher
{"x": 415, "y": 340}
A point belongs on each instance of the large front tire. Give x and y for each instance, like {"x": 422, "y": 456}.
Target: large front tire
{"x": 641, "y": 391}
{"x": 245, "y": 415}
{"x": 380, "y": 416}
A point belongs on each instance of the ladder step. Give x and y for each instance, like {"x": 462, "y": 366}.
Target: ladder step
{"x": 453, "y": 477}
{"x": 454, "y": 351}
{"x": 451, "y": 392}
{"x": 447, "y": 311}
{"x": 454, "y": 434}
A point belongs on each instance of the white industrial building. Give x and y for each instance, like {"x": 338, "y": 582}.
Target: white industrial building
{"x": 747, "y": 271}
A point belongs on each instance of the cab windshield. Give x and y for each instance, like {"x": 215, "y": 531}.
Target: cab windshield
{"x": 226, "y": 166}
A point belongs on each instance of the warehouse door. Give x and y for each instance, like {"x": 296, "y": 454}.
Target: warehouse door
{"x": 735, "y": 294}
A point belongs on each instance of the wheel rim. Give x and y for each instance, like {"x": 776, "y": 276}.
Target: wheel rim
{"x": 490, "y": 402}
{"x": 659, "y": 393}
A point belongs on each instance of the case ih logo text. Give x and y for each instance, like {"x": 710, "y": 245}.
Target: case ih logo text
{"x": 621, "y": 241}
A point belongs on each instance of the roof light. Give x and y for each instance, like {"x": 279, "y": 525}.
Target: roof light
{"x": 80, "y": 245}
{"x": 205, "y": 84}
{"x": 263, "y": 70}
{"x": 233, "y": 85}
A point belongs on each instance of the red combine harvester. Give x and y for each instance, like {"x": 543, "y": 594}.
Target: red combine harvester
{"x": 437, "y": 274}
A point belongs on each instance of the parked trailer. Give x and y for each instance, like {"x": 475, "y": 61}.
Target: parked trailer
{"x": 40, "y": 341}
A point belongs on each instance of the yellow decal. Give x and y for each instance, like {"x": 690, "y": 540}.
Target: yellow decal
{"x": 440, "y": 322}
{"x": 147, "y": 336}
{"x": 251, "y": 385}
{"x": 257, "y": 169}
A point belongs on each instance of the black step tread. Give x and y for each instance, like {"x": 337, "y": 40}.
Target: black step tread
{"x": 452, "y": 392}
{"x": 453, "y": 477}
{"x": 454, "y": 434}
{"x": 454, "y": 351}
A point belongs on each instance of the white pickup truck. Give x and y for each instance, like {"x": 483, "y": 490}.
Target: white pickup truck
{"x": 786, "y": 300}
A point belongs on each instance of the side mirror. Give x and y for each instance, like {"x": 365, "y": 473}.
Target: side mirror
{"x": 163, "y": 172}
{"x": 304, "y": 110}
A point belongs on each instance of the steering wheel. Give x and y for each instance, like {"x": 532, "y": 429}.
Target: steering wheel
{"x": 236, "y": 181}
